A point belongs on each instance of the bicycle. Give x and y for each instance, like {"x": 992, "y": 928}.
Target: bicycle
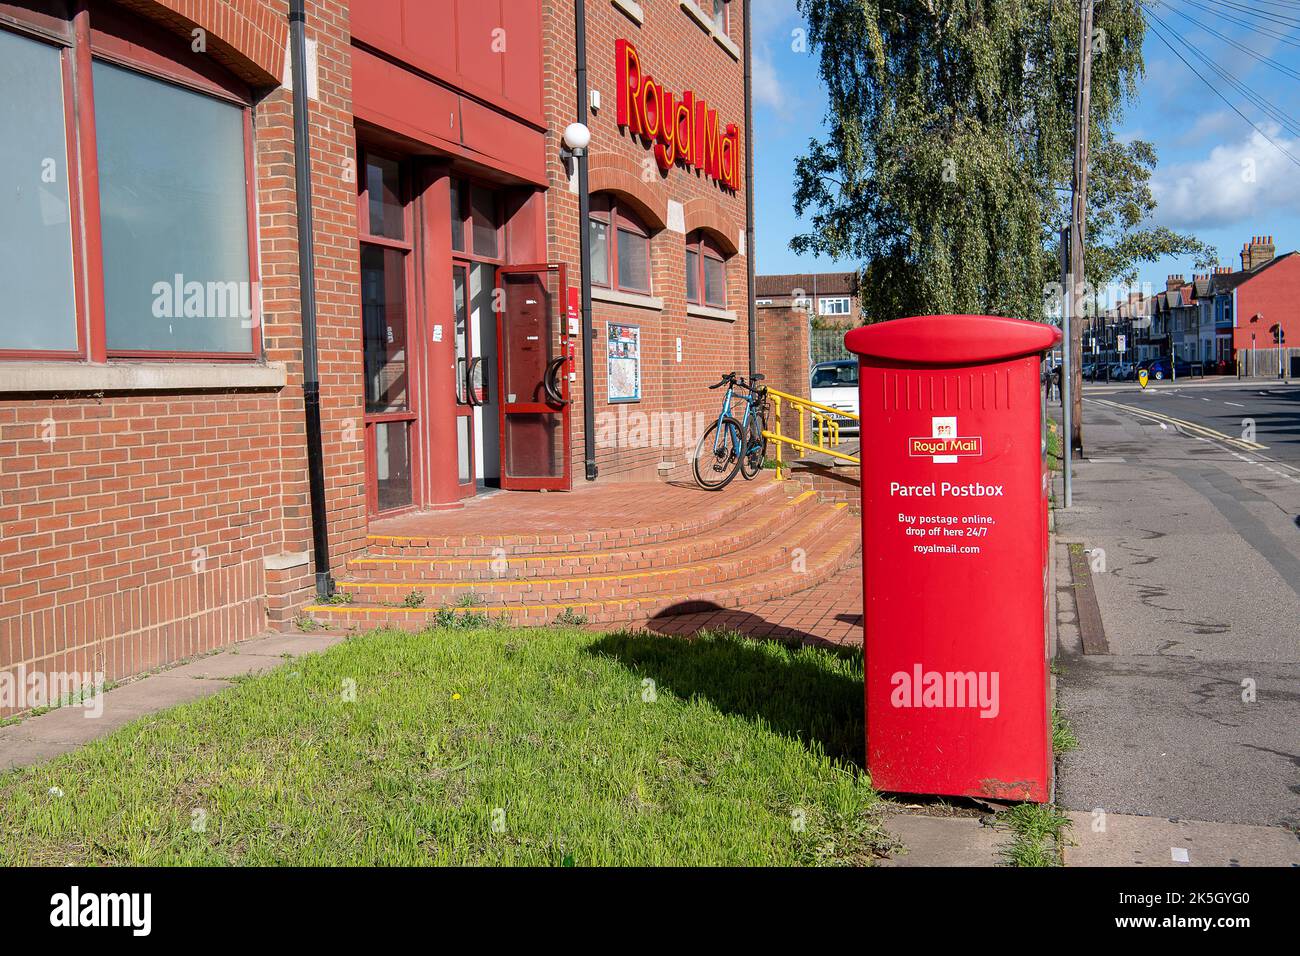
{"x": 729, "y": 444}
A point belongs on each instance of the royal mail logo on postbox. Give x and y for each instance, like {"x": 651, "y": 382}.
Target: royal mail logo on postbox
{"x": 945, "y": 446}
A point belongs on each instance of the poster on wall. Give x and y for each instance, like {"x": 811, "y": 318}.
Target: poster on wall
{"x": 624, "y": 353}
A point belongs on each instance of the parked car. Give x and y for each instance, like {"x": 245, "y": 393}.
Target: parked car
{"x": 1158, "y": 369}
{"x": 836, "y": 384}
{"x": 1122, "y": 372}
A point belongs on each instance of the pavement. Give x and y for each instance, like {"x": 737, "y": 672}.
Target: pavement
{"x": 1194, "y": 548}
{"x": 59, "y": 731}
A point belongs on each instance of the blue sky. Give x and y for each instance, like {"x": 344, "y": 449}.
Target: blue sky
{"x": 1218, "y": 179}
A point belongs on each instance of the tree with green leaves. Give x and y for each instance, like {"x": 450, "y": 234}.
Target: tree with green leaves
{"x": 949, "y": 146}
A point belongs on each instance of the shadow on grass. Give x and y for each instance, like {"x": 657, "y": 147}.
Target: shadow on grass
{"x": 813, "y": 694}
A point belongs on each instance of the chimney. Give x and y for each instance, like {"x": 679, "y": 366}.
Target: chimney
{"x": 1222, "y": 270}
{"x": 1257, "y": 252}
{"x": 1173, "y": 283}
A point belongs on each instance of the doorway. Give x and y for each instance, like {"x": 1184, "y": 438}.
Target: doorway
{"x": 478, "y": 250}
{"x": 536, "y": 359}
{"x": 388, "y": 336}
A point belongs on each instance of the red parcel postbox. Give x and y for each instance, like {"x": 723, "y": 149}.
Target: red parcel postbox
{"x": 954, "y": 540}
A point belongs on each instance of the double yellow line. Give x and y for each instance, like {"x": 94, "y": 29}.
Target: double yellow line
{"x": 1201, "y": 431}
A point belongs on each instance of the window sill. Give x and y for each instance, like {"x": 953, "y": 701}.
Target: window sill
{"x": 709, "y": 312}
{"x": 51, "y": 377}
{"x": 633, "y": 299}
{"x": 632, "y": 9}
{"x": 706, "y": 23}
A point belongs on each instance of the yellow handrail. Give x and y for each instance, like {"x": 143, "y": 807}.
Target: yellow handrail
{"x": 825, "y": 425}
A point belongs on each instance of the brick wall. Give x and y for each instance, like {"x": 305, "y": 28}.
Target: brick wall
{"x": 1271, "y": 294}
{"x": 140, "y": 527}
{"x": 783, "y": 349}
{"x": 680, "y": 54}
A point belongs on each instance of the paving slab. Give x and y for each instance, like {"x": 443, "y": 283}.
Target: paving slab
{"x": 944, "y": 841}
{"x": 278, "y": 645}
{"x": 1118, "y": 839}
{"x": 67, "y": 728}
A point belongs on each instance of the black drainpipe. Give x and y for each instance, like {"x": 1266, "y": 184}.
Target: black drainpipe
{"x": 307, "y": 291}
{"x": 749, "y": 199}
{"x": 584, "y": 248}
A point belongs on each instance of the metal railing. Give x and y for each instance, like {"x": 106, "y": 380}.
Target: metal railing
{"x": 808, "y": 419}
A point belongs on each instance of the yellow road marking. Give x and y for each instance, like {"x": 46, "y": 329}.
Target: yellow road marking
{"x": 1203, "y": 431}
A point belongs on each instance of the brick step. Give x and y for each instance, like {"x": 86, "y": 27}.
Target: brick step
{"x": 828, "y": 553}
{"x": 771, "y": 520}
{"x": 727, "y": 509}
{"x": 772, "y": 554}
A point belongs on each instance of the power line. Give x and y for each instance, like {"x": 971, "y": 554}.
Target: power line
{"x": 1215, "y": 90}
{"x": 1270, "y": 109}
{"x": 1255, "y": 28}
{"x": 1261, "y": 15}
{"x": 1276, "y": 64}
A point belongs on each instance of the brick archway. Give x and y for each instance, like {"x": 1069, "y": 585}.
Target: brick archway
{"x": 248, "y": 37}
{"x": 706, "y": 213}
{"x": 604, "y": 175}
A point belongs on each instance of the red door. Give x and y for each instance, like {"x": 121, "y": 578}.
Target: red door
{"x": 532, "y": 372}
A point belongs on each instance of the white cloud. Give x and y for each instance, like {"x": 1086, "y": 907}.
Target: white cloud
{"x": 1248, "y": 179}
{"x": 1211, "y": 125}
{"x": 767, "y": 88}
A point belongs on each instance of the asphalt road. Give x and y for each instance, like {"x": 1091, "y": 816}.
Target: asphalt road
{"x": 1274, "y": 409}
{"x": 1195, "y": 539}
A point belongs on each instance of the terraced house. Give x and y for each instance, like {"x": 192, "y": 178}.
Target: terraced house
{"x": 288, "y": 281}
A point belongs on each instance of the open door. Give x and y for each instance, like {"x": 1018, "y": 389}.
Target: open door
{"x": 533, "y": 368}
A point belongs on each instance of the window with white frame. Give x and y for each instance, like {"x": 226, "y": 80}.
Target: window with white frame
{"x": 833, "y": 305}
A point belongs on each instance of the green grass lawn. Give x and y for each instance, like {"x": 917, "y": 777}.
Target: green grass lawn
{"x": 478, "y": 746}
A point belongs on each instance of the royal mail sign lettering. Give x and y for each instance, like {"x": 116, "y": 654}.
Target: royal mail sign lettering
{"x": 683, "y": 129}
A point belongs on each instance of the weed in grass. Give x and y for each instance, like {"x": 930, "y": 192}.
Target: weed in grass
{"x": 749, "y": 755}
{"x": 448, "y": 618}
{"x": 413, "y": 599}
{"x": 1063, "y": 737}
{"x": 1039, "y": 830}
{"x": 570, "y": 618}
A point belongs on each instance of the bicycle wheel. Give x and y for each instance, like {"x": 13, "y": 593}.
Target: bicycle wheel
{"x": 716, "y": 462}
{"x": 751, "y": 463}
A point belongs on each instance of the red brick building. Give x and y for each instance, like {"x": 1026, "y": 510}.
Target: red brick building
{"x": 155, "y": 498}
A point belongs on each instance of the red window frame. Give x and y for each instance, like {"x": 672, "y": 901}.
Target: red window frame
{"x": 414, "y": 333}
{"x": 95, "y": 30}
{"x": 606, "y": 208}
{"x": 705, "y": 247}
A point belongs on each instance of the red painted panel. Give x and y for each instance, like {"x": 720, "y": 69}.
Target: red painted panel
{"x": 478, "y": 42}
{"x": 501, "y": 138}
{"x": 390, "y": 96}
{"x": 523, "y": 66}
{"x": 381, "y": 20}
{"x": 429, "y": 25}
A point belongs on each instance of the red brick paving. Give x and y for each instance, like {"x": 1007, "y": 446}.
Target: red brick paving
{"x": 830, "y": 613}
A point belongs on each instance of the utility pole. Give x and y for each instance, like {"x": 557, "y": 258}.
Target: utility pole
{"x": 1078, "y": 223}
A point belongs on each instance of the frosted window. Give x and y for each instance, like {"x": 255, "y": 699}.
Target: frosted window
{"x": 174, "y": 215}
{"x": 38, "y": 308}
